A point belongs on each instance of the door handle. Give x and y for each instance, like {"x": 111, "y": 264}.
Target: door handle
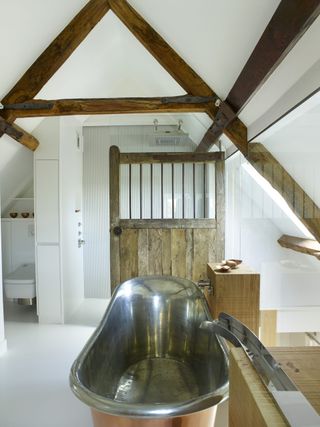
{"x": 117, "y": 230}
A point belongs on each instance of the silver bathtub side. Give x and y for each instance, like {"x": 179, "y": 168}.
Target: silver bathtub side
{"x": 152, "y": 319}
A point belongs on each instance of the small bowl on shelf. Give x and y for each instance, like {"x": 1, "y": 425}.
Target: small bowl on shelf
{"x": 232, "y": 263}
{"x": 25, "y": 214}
{"x": 223, "y": 268}
{"x": 237, "y": 261}
{"x": 13, "y": 214}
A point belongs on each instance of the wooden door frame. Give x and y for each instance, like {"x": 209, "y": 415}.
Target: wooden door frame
{"x": 116, "y": 159}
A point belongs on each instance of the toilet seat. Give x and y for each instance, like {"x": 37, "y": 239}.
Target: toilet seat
{"x": 21, "y": 282}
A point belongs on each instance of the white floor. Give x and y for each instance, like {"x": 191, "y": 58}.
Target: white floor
{"x": 34, "y": 388}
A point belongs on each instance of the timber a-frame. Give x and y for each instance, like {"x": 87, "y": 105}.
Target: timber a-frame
{"x": 289, "y": 22}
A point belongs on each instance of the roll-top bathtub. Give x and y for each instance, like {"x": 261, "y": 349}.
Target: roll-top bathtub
{"x": 148, "y": 358}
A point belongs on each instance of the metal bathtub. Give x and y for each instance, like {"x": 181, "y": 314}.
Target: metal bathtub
{"x": 148, "y": 363}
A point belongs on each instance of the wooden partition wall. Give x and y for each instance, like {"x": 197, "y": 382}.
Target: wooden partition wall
{"x": 178, "y": 247}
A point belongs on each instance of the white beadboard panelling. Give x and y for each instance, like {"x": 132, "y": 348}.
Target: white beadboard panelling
{"x": 3, "y": 342}
{"x": 188, "y": 191}
{"x": 22, "y": 241}
{"x": 135, "y": 191}
{"x": 7, "y": 247}
{"x": 156, "y": 191}
{"x": 146, "y": 191}
{"x": 124, "y": 191}
{"x": 97, "y": 141}
{"x": 167, "y": 190}
{"x": 47, "y": 200}
{"x": 96, "y": 212}
{"x": 178, "y": 191}
{"x": 210, "y": 191}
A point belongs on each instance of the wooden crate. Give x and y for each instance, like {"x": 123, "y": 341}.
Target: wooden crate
{"x": 236, "y": 293}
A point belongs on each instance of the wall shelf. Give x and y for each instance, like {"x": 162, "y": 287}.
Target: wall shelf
{"x": 305, "y": 246}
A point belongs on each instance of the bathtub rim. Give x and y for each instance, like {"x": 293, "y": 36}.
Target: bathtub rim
{"x": 138, "y": 410}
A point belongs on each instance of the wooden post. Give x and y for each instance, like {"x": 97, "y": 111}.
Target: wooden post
{"x": 114, "y": 190}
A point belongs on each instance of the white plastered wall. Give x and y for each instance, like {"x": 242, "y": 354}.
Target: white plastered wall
{"x": 58, "y": 185}
{"x": 254, "y": 223}
{"x": 3, "y": 342}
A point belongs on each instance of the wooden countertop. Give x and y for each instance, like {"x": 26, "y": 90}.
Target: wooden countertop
{"x": 301, "y": 364}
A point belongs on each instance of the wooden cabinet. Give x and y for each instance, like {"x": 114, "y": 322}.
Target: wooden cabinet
{"x": 236, "y": 293}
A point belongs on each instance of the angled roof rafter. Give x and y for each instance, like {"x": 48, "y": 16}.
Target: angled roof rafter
{"x": 290, "y": 21}
{"x": 17, "y": 133}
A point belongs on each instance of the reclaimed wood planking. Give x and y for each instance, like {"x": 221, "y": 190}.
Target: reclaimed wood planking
{"x": 129, "y": 254}
{"x": 143, "y": 255}
{"x": 155, "y": 251}
{"x": 178, "y": 252}
{"x": 166, "y": 252}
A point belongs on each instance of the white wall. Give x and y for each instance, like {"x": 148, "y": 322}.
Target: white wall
{"x": 17, "y": 243}
{"x": 58, "y": 209}
{"x": 97, "y": 141}
{"x": 47, "y": 223}
{"x": 16, "y": 175}
{"x": 254, "y": 223}
{"x": 294, "y": 142}
{"x": 3, "y": 342}
{"x": 71, "y": 213}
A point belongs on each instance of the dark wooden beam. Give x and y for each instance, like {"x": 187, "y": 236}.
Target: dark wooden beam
{"x": 56, "y": 54}
{"x": 18, "y": 134}
{"x": 184, "y": 157}
{"x": 304, "y": 246}
{"x": 225, "y": 122}
{"x": 297, "y": 199}
{"x": 64, "y": 107}
{"x": 288, "y": 24}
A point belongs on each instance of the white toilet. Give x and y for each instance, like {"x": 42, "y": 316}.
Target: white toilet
{"x": 21, "y": 284}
